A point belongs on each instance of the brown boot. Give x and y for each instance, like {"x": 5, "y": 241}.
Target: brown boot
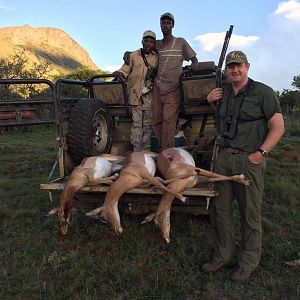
{"x": 213, "y": 266}
{"x": 240, "y": 274}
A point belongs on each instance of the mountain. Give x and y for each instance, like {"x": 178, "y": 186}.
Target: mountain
{"x": 51, "y": 44}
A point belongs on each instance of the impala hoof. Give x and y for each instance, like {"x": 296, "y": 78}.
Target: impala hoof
{"x": 119, "y": 230}
{"x": 64, "y": 229}
{"x": 167, "y": 240}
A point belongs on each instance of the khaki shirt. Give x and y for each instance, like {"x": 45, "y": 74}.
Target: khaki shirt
{"x": 256, "y": 105}
{"x": 135, "y": 73}
{"x": 171, "y": 57}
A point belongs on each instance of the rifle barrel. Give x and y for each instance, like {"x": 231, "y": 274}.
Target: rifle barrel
{"x": 225, "y": 46}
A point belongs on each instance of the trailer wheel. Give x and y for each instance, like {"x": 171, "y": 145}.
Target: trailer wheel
{"x": 90, "y": 129}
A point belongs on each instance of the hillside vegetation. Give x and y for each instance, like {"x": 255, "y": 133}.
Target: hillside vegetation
{"x": 41, "y": 44}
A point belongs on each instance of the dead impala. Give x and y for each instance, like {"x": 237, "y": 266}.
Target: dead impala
{"x": 177, "y": 167}
{"x": 138, "y": 167}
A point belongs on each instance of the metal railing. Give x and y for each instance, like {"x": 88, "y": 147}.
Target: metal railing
{"x": 27, "y": 111}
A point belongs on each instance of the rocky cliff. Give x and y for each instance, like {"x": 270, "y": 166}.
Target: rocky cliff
{"x": 51, "y": 44}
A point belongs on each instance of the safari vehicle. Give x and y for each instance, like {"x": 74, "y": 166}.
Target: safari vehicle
{"x": 100, "y": 122}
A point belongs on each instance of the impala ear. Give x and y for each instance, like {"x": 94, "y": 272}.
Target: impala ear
{"x": 53, "y": 211}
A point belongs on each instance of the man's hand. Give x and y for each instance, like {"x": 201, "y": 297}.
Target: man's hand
{"x": 215, "y": 95}
{"x": 118, "y": 74}
{"x": 255, "y": 158}
{"x": 194, "y": 66}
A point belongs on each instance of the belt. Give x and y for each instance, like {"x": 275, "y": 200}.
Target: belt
{"x": 231, "y": 150}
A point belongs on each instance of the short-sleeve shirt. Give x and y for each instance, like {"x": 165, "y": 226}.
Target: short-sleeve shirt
{"x": 136, "y": 73}
{"x": 171, "y": 57}
{"x": 257, "y": 104}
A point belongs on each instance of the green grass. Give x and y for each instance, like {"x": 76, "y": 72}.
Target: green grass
{"x": 90, "y": 262}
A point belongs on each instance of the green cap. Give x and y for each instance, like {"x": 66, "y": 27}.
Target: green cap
{"x": 237, "y": 57}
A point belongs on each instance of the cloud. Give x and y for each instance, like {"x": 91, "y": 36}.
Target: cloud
{"x": 276, "y": 57}
{"x": 289, "y": 9}
{"x": 272, "y": 51}
{"x": 211, "y": 41}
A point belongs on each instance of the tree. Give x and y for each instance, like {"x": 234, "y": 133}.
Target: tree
{"x": 83, "y": 74}
{"x": 16, "y": 66}
{"x": 296, "y": 82}
{"x": 290, "y": 101}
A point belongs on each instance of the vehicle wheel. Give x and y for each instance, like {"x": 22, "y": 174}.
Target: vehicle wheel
{"x": 90, "y": 129}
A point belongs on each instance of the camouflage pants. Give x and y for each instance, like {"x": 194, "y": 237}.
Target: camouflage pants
{"x": 141, "y": 129}
{"x": 249, "y": 200}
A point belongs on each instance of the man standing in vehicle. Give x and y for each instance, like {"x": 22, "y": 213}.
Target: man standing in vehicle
{"x": 250, "y": 126}
{"x": 171, "y": 51}
{"x": 140, "y": 73}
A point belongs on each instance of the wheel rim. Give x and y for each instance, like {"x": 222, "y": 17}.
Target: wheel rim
{"x": 100, "y": 131}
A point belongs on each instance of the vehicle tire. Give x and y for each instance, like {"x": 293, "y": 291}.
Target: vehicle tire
{"x": 90, "y": 129}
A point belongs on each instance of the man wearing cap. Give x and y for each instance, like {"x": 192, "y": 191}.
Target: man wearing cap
{"x": 139, "y": 74}
{"x": 250, "y": 125}
{"x": 171, "y": 51}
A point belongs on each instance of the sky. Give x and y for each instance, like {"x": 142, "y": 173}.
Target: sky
{"x": 268, "y": 31}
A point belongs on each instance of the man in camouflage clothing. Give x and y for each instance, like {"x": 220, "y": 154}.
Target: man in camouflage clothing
{"x": 140, "y": 73}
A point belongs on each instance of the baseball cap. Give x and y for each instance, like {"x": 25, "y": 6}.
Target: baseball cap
{"x": 168, "y": 15}
{"x": 237, "y": 57}
{"x": 149, "y": 33}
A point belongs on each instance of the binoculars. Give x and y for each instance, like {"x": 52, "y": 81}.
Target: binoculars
{"x": 229, "y": 127}
{"x": 151, "y": 73}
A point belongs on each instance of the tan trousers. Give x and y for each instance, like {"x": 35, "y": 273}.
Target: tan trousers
{"x": 165, "y": 109}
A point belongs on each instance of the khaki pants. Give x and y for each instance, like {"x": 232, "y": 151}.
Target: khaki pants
{"x": 165, "y": 109}
{"x": 249, "y": 200}
{"x": 141, "y": 126}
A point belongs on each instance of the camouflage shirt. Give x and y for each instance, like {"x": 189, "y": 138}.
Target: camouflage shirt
{"x": 136, "y": 72}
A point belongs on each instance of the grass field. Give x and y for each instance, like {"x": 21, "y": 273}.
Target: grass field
{"x": 90, "y": 262}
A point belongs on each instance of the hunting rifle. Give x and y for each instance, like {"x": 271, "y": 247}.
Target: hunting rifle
{"x": 219, "y": 75}
{"x": 219, "y": 79}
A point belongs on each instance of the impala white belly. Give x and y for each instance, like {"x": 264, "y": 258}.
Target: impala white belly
{"x": 188, "y": 158}
{"x": 102, "y": 168}
{"x": 150, "y": 164}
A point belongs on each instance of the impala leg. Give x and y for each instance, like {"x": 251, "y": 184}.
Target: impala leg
{"x": 236, "y": 178}
{"x": 77, "y": 181}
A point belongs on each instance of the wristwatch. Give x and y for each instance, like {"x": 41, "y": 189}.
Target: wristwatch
{"x": 262, "y": 152}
